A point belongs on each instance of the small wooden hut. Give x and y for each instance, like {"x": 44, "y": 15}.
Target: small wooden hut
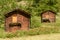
{"x": 48, "y": 16}
{"x": 17, "y": 20}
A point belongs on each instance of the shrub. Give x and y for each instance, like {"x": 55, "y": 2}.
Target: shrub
{"x": 35, "y": 22}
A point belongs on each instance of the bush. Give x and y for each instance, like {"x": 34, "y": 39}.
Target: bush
{"x": 35, "y": 22}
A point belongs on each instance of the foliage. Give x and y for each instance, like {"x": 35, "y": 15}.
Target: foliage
{"x": 35, "y": 22}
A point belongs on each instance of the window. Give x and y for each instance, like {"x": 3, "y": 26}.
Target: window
{"x": 47, "y": 16}
{"x": 14, "y": 19}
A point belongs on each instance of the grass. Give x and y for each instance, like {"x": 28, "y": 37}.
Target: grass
{"x": 31, "y": 32}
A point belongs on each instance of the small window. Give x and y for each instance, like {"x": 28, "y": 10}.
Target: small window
{"x": 14, "y": 19}
{"x": 47, "y": 16}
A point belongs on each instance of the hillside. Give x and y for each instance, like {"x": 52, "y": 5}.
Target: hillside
{"x": 35, "y": 8}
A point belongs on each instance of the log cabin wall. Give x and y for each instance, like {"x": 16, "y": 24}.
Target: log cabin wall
{"x": 25, "y": 21}
{"x": 7, "y": 22}
{"x": 52, "y": 17}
